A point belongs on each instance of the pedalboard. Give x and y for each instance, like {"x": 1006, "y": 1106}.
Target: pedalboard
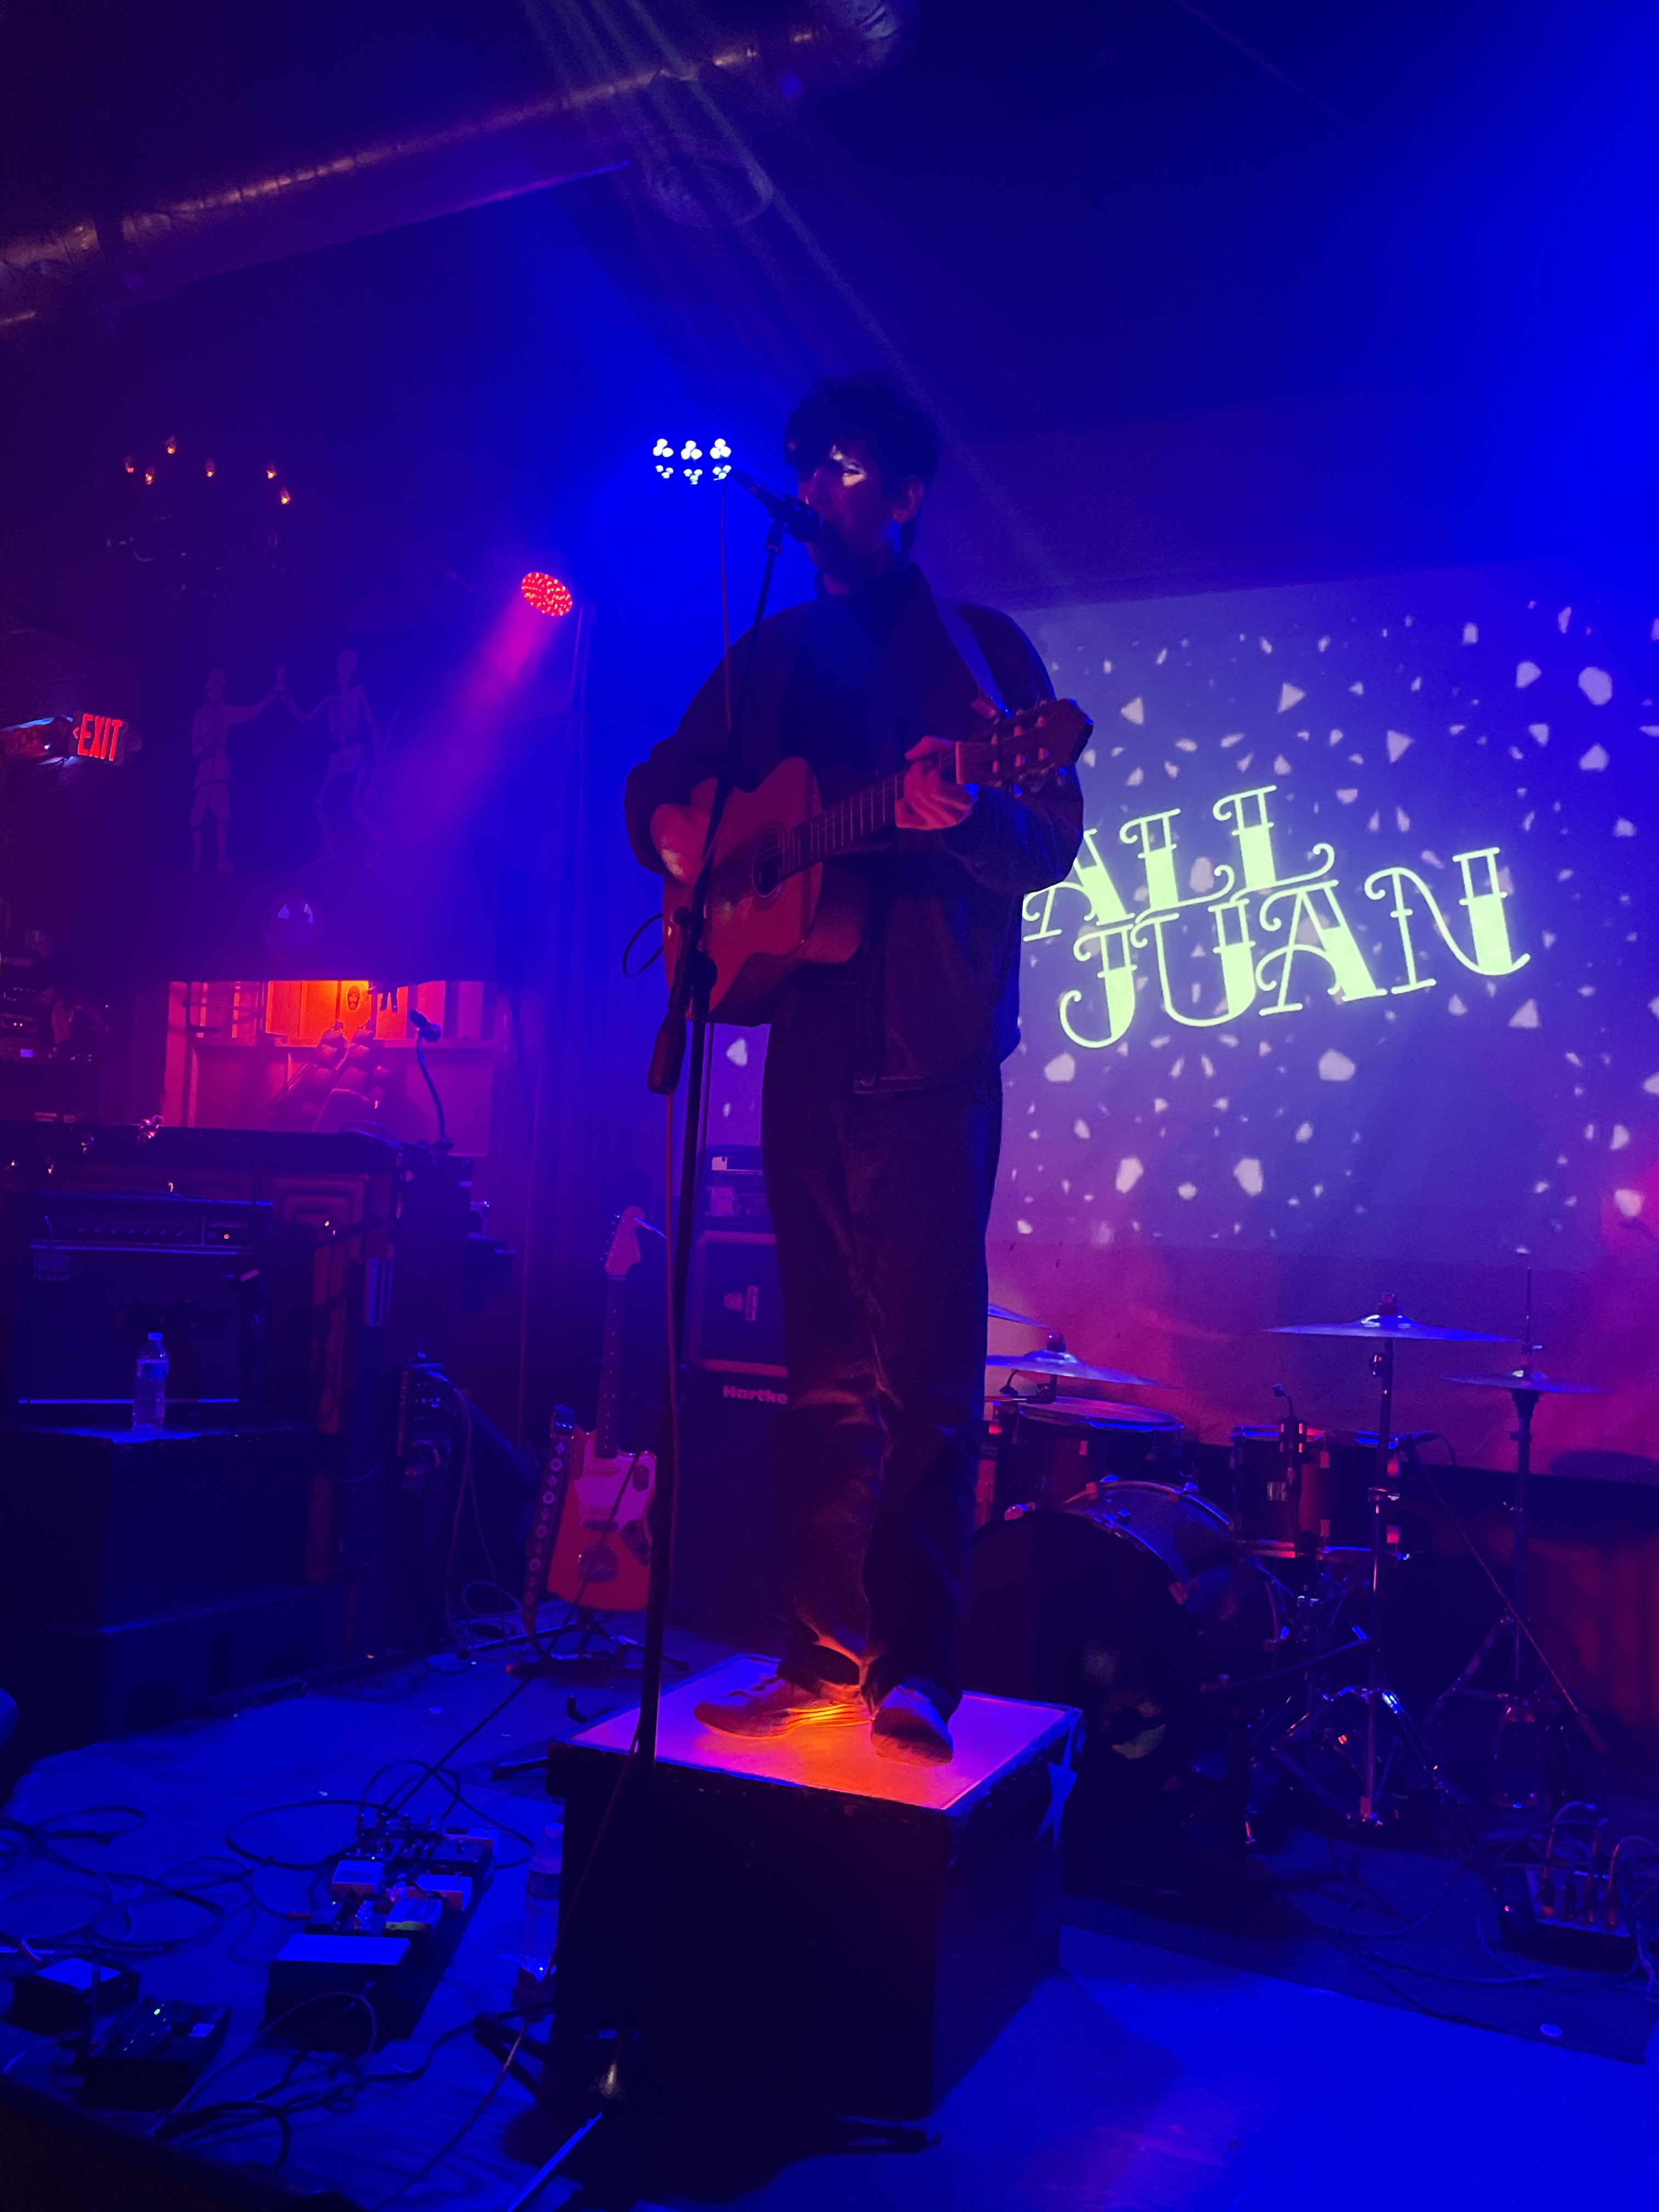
{"x": 1566, "y": 1917}
{"x": 398, "y": 1902}
{"x": 147, "y": 2058}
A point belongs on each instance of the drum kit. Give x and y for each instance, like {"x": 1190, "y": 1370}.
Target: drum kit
{"x": 1105, "y": 1577}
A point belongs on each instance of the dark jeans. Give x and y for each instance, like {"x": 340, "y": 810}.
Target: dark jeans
{"x": 880, "y": 1204}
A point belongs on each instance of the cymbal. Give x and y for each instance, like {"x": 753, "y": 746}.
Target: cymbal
{"x": 1066, "y": 1367}
{"x": 1529, "y": 1378}
{"x": 1390, "y": 1327}
{"x": 1102, "y": 1413}
{"x": 1007, "y": 1313}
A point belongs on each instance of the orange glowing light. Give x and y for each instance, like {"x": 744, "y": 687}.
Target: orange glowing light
{"x": 131, "y": 466}
{"x": 150, "y": 476}
{"x": 992, "y": 1735}
{"x": 286, "y": 496}
{"x": 547, "y": 594}
{"x": 207, "y": 468}
{"x": 271, "y": 475}
{"x": 172, "y": 445}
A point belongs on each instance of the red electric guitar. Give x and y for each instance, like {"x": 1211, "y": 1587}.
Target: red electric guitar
{"x": 591, "y": 1543}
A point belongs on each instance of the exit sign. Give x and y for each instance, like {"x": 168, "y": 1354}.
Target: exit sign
{"x": 100, "y": 737}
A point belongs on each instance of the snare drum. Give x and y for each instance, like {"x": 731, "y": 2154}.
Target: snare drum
{"x": 1049, "y": 1451}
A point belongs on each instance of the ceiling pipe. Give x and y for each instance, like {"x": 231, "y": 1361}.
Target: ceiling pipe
{"x": 652, "y": 102}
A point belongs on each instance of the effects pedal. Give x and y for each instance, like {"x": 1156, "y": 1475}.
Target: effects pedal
{"x": 66, "y": 1997}
{"x": 146, "y": 2059}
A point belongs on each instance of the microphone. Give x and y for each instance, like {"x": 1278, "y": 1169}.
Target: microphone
{"x": 796, "y": 517}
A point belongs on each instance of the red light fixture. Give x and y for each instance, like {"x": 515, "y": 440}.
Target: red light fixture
{"x": 547, "y": 594}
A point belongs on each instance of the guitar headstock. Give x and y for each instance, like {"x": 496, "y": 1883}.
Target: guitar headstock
{"x": 1021, "y": 752}
{"x": 624, "y": 1252}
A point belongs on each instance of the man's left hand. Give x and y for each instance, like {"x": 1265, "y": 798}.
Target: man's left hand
{"x": 930, "y": 800}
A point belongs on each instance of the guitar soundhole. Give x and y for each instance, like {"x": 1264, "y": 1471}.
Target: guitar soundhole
{"x": 767, "y": 874}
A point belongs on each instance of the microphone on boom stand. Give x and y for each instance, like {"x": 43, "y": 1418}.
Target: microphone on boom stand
{"x": 796, "y": 517}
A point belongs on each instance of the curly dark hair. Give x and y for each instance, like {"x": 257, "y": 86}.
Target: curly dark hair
{"x": 903, "y": 440}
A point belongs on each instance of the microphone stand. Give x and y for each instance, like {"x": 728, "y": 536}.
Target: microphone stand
{"x": 688, "y": 1002}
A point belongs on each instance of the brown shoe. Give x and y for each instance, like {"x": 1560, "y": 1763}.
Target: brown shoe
{"x": 771, "y": 1706}
{"x": 908, "y": 1725}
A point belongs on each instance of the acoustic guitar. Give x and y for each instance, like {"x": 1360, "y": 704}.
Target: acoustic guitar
{"x": 591, "y": 1540}
{"x": 767, "y": 907}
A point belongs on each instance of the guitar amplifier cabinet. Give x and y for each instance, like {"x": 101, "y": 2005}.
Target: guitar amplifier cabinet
{"x": 730, "y": 1575}
{"x": 735, "y": 1322}
{"x": 86, "y": 1275}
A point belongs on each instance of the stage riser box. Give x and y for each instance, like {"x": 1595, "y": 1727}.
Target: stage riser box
{"x": 814, "y": 1947}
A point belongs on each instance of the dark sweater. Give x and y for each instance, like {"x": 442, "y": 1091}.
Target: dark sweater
{"x": 850, "y": 683}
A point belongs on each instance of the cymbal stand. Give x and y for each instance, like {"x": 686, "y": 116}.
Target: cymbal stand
{"x": 1520, "y": 1702}
{"x": 1382, "y": 1497}
{"x": 1385, "y": 1716}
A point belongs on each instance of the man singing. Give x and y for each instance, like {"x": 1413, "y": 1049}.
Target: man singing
{"x": 882, "y": 1110}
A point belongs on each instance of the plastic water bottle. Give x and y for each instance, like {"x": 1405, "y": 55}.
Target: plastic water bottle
{"x": 541, "y": 1906}
{"x": 149, "y": 1386}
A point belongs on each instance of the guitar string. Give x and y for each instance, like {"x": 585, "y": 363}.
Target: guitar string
{"x": 835, "y": 829}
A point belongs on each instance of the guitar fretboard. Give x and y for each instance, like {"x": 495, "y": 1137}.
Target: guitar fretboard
{"x": 839, "y": 828}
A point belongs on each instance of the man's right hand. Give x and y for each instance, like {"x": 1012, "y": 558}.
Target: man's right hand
{"x": 677, "y": 833}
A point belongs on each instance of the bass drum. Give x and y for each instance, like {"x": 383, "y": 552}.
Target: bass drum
{"x": 1129, "y": 1608}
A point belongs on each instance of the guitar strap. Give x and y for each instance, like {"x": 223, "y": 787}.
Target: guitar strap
{"x": 544, "y": 1528}
{"x": 953, "y": 614}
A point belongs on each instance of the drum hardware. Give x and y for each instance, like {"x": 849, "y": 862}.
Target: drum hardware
{"x": 995, "y": 1312}
{"x": 1386, "y": 1724}
{"x": 1270, "y": 1464}
{"x": 1525, "y": 1707}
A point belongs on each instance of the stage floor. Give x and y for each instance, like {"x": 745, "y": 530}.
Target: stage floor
{"x": 1141, "y": 2079}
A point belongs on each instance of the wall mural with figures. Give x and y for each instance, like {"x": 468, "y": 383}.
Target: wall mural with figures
{"x": 349, "y": 766}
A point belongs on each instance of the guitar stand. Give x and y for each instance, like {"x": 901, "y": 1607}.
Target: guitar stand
{"x": 597, "y": 1644}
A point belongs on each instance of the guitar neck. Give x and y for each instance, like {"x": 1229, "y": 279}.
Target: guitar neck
{"x": 607, "y": 1421}
{"x": 841, "y": 828}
